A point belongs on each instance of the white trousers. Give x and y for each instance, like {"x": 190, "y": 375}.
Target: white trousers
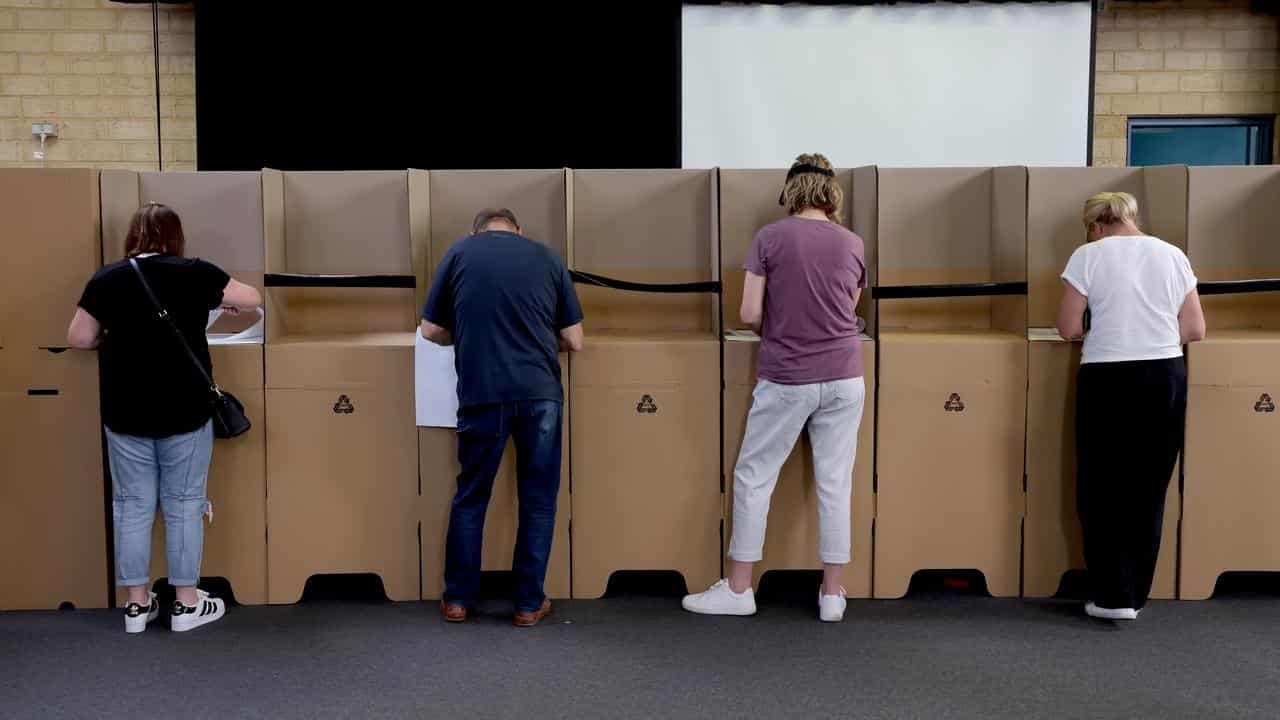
{"x": 832, "y": 411}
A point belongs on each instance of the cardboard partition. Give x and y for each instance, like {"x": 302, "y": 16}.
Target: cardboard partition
{"x": 221, "y": 216}
{"x": 438, "y": 471}
{"x": 1231, "y": 459}
{"x": 342, "y": 223}
{"x": 1232, "y": 216}
{"x": 648, "y": 226}
{"x": 791, "y": 542}
{"x": 342, "y": 462}
{"x": 53, "y": 513}
{"x": 235, "y": 542}
{"x": 51, "y": 225}
{"x": 645, "y": 436}
{"x": 1052, "y": 543}
{"x": 949, "y": 447}
{"x": 748, "y": 202}
{"x": 1055, "y": 207}
{"x": 946, "y": 225}
{"x": 537, "y": 197}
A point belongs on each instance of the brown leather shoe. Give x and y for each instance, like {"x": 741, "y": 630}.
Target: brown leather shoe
{"x": 452, "y": 612}
{"x": 529, "y": 618}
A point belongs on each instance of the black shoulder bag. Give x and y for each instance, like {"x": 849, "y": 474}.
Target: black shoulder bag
{"x": 228, "y": 413}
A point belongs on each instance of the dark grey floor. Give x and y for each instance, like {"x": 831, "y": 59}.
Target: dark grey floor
{"x": 640, "y": 656}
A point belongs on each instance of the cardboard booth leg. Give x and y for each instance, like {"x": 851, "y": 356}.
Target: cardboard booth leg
{"x": 791, "y": 542}
{"x": 1231, "y": 460}
{"x": 1052, "y": 543}
{"x": 646, "y": 493}
{"x": 438, "y": 472}
{"x": 53, "y": 526}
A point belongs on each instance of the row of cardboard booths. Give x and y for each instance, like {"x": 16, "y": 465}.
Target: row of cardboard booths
{"x": 965, "y": 452}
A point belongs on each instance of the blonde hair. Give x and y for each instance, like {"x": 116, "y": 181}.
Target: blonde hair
{"x": 813, "y": 190}
{"x": 1111, "y": 208}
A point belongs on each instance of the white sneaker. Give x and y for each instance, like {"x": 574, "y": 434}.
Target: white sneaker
{"x": 189, "y": 617}
{"x": 831, "y": 607}
{"x": 1110, "y": 613}
{"x": 720, "y": 600}
{"x": 137, "y": 616}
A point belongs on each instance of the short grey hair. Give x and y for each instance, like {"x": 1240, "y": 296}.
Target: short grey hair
{"x": 487, "y": 215}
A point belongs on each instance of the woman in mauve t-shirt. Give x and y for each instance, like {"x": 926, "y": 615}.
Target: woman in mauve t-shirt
{"x": 804, "y": 275}
{"x": 1131, "y": 396}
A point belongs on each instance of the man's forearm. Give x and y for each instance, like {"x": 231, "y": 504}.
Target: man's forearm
{"x": 435, "y": 333}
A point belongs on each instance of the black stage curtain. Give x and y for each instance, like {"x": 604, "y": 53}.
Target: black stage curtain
{"x": 318, "y": 86}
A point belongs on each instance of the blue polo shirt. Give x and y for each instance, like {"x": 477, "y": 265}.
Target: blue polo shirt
{"x": 505, "y": 299}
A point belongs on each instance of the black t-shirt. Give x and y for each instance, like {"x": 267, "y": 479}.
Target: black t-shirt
{"x": 149, "y": 386}
{"x": 505, "y": 299}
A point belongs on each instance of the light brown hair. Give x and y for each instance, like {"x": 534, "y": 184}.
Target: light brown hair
{"x": 487, "y": 215}
{"x": 1110, "y": 208}
{"x": 155, "y": 228}
{"x": 813, "y": 190}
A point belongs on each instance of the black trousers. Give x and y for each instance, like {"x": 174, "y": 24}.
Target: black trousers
{"x": 1129, "y": 430}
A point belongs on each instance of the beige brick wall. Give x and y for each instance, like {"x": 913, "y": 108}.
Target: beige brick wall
{"x": 87, "y": 65}
{"x": 1180, "y": 57}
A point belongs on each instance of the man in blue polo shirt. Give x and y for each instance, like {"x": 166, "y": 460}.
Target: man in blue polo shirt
{"x": 508, "y": 306}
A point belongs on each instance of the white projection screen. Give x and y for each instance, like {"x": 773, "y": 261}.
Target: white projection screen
{"x": 908, "y": 85}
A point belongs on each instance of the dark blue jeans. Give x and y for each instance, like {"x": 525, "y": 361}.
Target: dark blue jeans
{"x": 483, "y": 431}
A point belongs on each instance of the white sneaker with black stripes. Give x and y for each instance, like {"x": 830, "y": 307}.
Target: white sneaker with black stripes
{"x": 138, "y": 616}
{"x": 189, "y": 617}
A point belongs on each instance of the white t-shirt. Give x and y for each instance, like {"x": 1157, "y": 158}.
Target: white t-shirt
{"x": 1135, "y": 287}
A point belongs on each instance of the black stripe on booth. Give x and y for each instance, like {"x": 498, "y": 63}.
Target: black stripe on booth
{"x": 584, "y": 278}
{"x": 1236, "y": 287}
{"x": 42, "y": 391}
{"x": 902, "y": 292}
{"x": 338, "y": 281}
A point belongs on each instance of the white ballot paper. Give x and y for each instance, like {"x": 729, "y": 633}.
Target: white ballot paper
{"x": 250, "y": 335}
{"x": 435, "y": 381}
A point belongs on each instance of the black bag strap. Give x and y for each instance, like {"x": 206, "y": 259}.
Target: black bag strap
{"x": 164, "y": 315}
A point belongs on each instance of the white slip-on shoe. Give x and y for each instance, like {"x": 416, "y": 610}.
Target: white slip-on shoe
{"x": 189, "y": 617}
{"x": 831, "y": 607}
{"x": 1110, "y": 613}
{"x": 720, "y": 600}
{"x": 137, "y": 616}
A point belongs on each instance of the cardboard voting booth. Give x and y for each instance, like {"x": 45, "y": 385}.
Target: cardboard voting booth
{"x": 342, "y": 460}
{"x": 50, "y": 439}
{"x": 221, "y": 215}
{"x": 748, "y": 202}
{"x": 1055, "y": 205}
{"x": 952, "y": 372}
{"x": 1232, "y": 459}
{"x": 645, "y": 430}
{"x": 537, "y": 197}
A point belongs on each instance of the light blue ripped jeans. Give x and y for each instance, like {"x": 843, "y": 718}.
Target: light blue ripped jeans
{"x": 174, "y": 472}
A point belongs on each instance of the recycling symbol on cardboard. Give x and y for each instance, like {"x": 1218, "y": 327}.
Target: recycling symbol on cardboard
{"x": 954, "y": 403}
{"x": 647, "y": 405}
{"x": 343, "y": 406}
{"x": 1265, "y": 404}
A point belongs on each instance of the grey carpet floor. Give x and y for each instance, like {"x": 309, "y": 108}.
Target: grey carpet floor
{"x": 638, "y": 656}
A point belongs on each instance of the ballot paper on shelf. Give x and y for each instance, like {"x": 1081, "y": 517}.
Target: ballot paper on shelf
{"x": 435, "y": 384}
{"x": 251, "y": 335}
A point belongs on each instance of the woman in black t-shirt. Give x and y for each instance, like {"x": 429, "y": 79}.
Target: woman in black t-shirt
{"x": 156, "y": 406}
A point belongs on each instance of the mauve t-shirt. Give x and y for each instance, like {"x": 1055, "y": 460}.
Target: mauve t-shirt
{"x": 811, "y": 270}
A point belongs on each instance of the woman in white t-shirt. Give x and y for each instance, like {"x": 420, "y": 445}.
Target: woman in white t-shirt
{"x": 1133, "y": 299}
